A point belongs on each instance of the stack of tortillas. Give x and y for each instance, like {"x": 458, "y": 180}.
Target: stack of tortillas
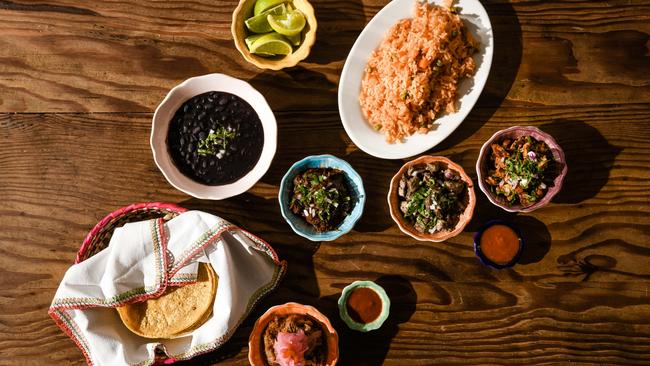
{"x": 164, "y": 290}
{"x": 177, "y": 312}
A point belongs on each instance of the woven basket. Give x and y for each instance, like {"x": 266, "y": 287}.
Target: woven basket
{"x": 99, "y": 237}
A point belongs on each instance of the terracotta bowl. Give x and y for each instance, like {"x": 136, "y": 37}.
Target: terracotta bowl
{"x": 255, "y": 343}
{"x": 513, "y": 133}
{"x": 406, "y": 227}
{"x": 239, "y": 32}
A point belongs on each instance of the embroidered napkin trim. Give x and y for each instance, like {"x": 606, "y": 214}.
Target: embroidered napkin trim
{"x": 59, "y": 306}
{"x": 255, "y": 298}
{"x": 210, "y": 236}
{"x": 159, "y": 240}
{"x": 163, "y": 279}
{"x": 181, "y": 279}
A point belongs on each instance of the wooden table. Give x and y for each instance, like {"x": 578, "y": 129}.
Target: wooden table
{"x": 79, "y": 81}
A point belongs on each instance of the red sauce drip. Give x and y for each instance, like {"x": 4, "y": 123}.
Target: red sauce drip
{"x": 364, "y": 305}
{"x": 500, "y": 244}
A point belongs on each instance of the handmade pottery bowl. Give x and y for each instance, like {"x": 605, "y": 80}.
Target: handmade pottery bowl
{"x": 239, "y": 32}
{"x": 513, "y": 133}
{"x": 406, "y": 227}
{"x": 256, "y": 355}
{"x": 486, "y": 261}
{"x": 364, "y": 327}
{"x": 297, "y": 223}
{"x": 179, "y": 95}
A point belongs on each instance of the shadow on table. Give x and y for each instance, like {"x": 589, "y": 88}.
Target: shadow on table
{"x": 589, "y": 158}
{"x": 376, "y": 175}
{"x": 370, "y": 349}
{"x": 298, "y": 141}
{"x": 338, "y": 28}
{"x": 537, "y": 239}
{"x": 486, "y": 211}
{"x": 296, "y": 88}
{"x": 536, "y": 235}
{"x": 503, "y": 72}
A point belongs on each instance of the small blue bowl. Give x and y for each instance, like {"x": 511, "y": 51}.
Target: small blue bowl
{"x": 297, "y": 223}
{"x": 483, "y": 258}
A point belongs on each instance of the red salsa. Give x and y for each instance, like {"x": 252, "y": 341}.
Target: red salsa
{"x": 500, "y": 244}
{"x": 364, "y": 305}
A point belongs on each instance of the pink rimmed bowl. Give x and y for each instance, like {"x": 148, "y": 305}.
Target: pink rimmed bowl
{"x": 513, "y": 133}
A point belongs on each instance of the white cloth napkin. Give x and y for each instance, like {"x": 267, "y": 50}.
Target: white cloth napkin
{"x": 142, "y": 259}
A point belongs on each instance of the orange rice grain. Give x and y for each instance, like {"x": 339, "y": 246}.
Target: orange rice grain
{"x": 413, "y": 75}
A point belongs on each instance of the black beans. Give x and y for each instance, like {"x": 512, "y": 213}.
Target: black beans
{"x": 202, "y": 122}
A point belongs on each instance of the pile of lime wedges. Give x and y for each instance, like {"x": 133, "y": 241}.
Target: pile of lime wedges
{"x": 277, "y": 27}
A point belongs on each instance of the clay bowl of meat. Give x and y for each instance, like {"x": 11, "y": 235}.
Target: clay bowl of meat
{"x": 293, "y": 334}
{"x": 321, "y": 197}
{"x": 520, "y": 169}
{"x": 431, "y": 198}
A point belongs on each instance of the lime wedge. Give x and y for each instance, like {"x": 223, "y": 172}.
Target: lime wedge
{"x": 262, "y": 5}
{"x": 252, "y": 38}
{"x": 295, "y": 39}
{"x": 288, "y": 24}
{"x": 259, "y": 23}
{"x": 272, "y": 43}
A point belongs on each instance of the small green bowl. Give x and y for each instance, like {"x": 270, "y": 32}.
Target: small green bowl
{"x": 361, "y": 327}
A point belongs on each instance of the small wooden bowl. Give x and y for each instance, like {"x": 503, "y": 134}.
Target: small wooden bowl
{"x": 239, "y": 32}
{"x": 406, "y": 227}
{"x": 256, "y": 355}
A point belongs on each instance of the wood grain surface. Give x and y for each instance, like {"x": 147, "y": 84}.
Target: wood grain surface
{"x": 79, "y": 81}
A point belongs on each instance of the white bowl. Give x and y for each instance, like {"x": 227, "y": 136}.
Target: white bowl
{"x": 374, "y": 142}
{"x": 179, "y": 95}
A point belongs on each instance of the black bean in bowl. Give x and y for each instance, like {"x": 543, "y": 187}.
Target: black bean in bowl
{"x": 215, "y": 138}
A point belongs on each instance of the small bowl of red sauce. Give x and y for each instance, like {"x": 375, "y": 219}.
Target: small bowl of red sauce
{"x": 364, "y": 306}
{"x": 498, "y": 244}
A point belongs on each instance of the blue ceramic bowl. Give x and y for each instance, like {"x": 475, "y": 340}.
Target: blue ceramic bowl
{"x": 297, "y": 223}
{"x": 483, "y": 258}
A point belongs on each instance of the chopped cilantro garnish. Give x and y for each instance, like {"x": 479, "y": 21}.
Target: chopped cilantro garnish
{"x": 215, "y": 141}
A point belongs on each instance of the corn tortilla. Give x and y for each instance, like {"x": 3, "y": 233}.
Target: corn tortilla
{"x": 179, "y": 310}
